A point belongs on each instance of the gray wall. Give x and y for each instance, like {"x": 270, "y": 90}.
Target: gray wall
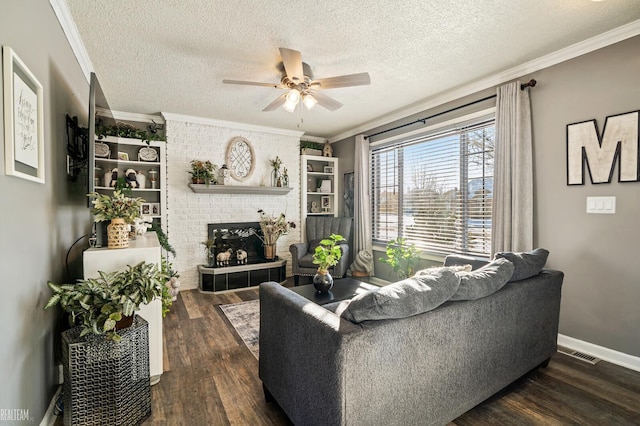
{"x": 598, "y": 253}
{"x": 38, "y": 222}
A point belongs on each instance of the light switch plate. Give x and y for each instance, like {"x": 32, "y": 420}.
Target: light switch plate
{"x": 601, "y": 205}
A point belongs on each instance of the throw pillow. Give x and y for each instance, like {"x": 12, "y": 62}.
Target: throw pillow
{"x": 453, "y": 268}
{"x": 402, "y": 299}
{"x": 484, "y": 281}
{"x": 527, "y": 264}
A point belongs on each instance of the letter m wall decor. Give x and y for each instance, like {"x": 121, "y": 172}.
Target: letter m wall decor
{"x": 619, "y": 142}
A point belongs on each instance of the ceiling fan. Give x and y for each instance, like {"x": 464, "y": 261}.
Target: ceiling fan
{"x": 297, "y": 80}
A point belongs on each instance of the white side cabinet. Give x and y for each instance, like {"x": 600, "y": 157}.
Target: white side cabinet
{"x": 144, "y": 248}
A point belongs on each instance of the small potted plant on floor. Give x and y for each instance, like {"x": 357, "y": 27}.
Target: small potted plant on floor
{"x": 120, "y": 210}
{"x": 326, "y": 255}
{"x": 402, "y": 257}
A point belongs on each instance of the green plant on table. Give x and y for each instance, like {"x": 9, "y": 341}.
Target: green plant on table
{"x": 328, "y": 253}
{"x": 402, "y": 257}
{"x": 97, "y": 304}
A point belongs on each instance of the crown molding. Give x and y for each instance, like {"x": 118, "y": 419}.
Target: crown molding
{"x": 70, "y": 29}
{"x": 168, "y": 116}
{"x": 616, "y": 35}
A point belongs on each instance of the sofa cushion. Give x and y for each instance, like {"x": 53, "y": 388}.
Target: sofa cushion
{"x": 402, "y": 299}
{"x": 453, "y": 268}
{"x": 460, "y": 259}
{"x": 526, "y": 264}
{"x": 484, "y": 281}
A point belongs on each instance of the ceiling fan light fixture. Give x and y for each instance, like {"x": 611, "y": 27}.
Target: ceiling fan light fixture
{"x": 309, "y": 101}
{"x": 292, "y": 99}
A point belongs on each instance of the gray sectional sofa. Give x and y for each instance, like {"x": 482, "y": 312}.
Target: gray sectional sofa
{"x": 426, "y": 368}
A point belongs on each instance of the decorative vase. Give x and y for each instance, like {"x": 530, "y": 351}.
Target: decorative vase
{"x": 117, "y": 234}
{"x": 275, "y": 175}
{"x": 270, "y": 251}
{"x": 322, "y": 282}
{"x": 142, "y": 179}
{"x": 211, "y": 259}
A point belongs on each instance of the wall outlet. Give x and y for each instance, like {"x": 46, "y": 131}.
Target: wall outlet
{"x": 601, "y": 205}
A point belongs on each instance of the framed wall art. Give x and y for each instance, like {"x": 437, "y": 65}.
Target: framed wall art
{"x": 23, "y": 119}
{"x": 240, "y": 158}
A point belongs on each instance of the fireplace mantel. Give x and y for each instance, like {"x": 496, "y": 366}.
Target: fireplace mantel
{"x": 237, "y": 189}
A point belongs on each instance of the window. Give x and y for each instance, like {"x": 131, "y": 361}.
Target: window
{"x": 436, "y": 190}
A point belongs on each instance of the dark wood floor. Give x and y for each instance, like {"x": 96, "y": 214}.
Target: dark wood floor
{"x": 211, "y": 378}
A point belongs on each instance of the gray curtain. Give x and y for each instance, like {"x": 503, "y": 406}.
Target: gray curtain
{"x": 362, "y": 198}
{"x": 512, "y": 227}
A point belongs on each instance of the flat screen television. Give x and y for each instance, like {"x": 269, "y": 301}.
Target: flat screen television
{"x": 99, "y": 111}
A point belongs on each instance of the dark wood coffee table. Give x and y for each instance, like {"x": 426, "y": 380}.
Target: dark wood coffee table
{"x": 344, "y": 288}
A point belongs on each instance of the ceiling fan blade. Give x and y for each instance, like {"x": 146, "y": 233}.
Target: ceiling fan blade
{"x": 360, "y": 79}
{"x": 280, "y": 100}
{"x": 325, "y": 101}
{"x": 253, "y": 83}
{"x": 292, "y": 61}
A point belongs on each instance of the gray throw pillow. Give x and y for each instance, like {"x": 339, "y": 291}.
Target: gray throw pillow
{"x": 402, "y": 299}
{"x": 484, "y": 281}
{"x": 527, "y": 264}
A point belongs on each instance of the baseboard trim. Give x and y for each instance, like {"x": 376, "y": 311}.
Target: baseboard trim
{"x": 619, "y": 358}
{"x": 49, "y": 417}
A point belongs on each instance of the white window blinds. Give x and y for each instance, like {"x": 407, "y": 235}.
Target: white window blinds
{"x": 436, "y": 190}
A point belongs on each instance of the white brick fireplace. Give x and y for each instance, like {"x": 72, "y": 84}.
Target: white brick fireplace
{"x": 188, "y": 213}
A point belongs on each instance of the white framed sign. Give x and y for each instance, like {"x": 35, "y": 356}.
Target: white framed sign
{"x": 23, "y": 120}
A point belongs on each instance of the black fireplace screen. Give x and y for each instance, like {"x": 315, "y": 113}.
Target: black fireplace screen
{"x": 232, "y": 240}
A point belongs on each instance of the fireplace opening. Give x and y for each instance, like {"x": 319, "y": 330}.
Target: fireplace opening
{"x": 232, "y": 239}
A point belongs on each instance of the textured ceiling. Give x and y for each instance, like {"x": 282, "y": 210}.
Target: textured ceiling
{"x": 171, "y": 56}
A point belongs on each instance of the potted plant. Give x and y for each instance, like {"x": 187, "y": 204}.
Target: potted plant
{"x": 120, "y": 210}
{"x": 203, "y": 172}
{"x": 310, "y": 148}
{"x": 109, "y": 349}
{"x": 402, "y": 257}
{"x": 276, "y": 179}
{"x": 106, "y": 304}
{"x": 272, "y": 227}
{"x": 326, "y": 255}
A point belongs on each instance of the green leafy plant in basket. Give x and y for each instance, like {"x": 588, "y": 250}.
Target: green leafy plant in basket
{"x": 98, "y": 304}
{"x": 328, "y": 253}
{"x": 402, "y": 257}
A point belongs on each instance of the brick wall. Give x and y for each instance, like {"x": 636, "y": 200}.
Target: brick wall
{"x": 189, "y": 213}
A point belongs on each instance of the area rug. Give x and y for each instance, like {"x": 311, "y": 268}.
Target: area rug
{"x": 245, "y": 319}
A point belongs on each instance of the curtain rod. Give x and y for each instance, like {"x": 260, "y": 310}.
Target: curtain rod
{"x": 530, "y": 83}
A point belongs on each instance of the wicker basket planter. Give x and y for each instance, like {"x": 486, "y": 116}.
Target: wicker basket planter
{"x": 106, "y": 382}
{"x": 117, "y": 234}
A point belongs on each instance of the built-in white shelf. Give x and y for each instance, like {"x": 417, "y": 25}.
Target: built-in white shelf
{"x": 236, "y": 189}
